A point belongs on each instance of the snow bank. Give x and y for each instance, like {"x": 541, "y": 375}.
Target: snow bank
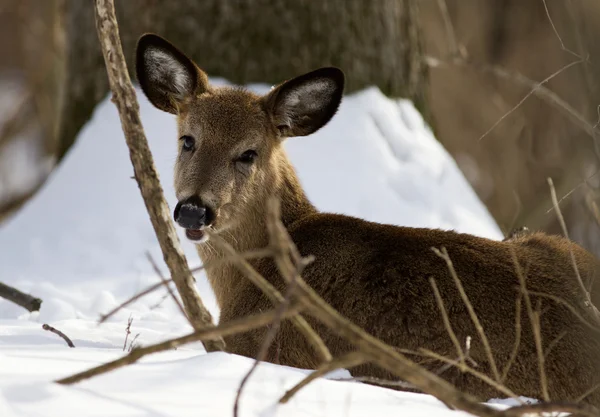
{"x": 80, "y": 245}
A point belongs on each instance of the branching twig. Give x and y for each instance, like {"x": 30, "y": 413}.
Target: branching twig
{"x": 58, "y": 332}
{"x": 261, "y": 253}
{"x": 299, "y": 322}
{"x": 235, "y": 326}
{"x": 587, "y": 299}
{"x": 443, "y": 253}
{"x": 143, "y": 165}
{"x": 378, "y": 352}
{"x": 269, "y": 337}
{"x": 536, "y": 88}
{"x": 20, "y": 298}
{"x": 562, "y": 44}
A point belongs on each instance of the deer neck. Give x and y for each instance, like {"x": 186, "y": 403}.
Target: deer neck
{"x": 251, "y": 232}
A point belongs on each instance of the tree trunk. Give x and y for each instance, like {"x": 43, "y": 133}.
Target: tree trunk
{"x": 375, "y": 43}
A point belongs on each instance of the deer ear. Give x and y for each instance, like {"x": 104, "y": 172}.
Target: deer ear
{"x": 305, "y": 104}
{"x": 167, "y": 76}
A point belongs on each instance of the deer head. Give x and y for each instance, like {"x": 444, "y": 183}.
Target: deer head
{"x": 230, "y": 152}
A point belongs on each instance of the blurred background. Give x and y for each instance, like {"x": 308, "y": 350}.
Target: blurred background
{"x": 511, "y": 88}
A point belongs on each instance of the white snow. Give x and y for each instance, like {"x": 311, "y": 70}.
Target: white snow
{"x": 80, "y": 245}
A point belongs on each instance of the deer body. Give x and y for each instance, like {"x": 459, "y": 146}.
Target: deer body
{"x": 231, "y": 160}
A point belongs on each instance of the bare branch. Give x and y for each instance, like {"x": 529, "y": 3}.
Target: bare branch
{"x": 484, "y": 340}
{"x": 58, "y": 332}
{"x": 587, "y": 299}
{"x": 211, "y": 333}
{"x": 125, "y": 303}
{"x": 378, "y": 352}
{"x": 562, "y": 44}
{"x": 299, "y": 322}
{"x": 19, "y": 298}
{"x": 536, "y": 88}
{"x": 261, "y": 253}
{"x": 440, "y": 302}
{"x": 266, "y": 344}
{"x": 143, "y": 165}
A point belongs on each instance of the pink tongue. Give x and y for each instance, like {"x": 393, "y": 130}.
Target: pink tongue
{"x": 194, "y": 234}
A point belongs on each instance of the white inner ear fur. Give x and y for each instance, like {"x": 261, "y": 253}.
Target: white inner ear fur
{"x": 312, "y": 94}
{"x": 306, "y": 99}
{"x": 163, "y": 68}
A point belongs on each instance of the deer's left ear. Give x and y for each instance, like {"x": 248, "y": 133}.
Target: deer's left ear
{"x": 305, "y": 104}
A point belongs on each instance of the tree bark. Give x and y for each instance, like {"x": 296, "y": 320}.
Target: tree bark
{"x": 244, "y": 41}
{"x": 145, "y": 173}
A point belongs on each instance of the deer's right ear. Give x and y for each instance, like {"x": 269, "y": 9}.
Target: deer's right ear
{"x": 167, "y": 77}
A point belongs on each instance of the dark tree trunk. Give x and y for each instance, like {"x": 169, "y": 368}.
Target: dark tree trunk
{"x": 375, "y": 43}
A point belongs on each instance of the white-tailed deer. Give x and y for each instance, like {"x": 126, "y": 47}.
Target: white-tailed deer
{"x": 231, "y": 160}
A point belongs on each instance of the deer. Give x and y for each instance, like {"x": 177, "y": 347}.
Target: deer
{"x": 231, "y": 160}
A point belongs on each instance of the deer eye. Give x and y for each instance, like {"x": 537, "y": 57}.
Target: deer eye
{"x": 247, "y": 157}
{"x": 188, "y": 143}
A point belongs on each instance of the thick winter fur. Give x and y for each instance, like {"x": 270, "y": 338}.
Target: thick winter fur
{"x": 376, "y": 275}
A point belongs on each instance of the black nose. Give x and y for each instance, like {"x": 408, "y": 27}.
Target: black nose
{"x": 192, "y": 214}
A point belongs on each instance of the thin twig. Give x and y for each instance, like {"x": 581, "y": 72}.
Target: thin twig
{"x": 517, "y": 344}
{"x": 572, "y": 309}
{"x": 232, "y": 327}
{"x": 587, "y": 393}
{"x": 562, "y": 44}
{"x": 125, "y": 100}
{"x": 166, "y": 283}
{"x": 378, "y": 352}
{"x": 58, "y": 332}
{"x": 267, "y": 342}
{"x": 132, "y": 344}
{"x": 349, "y": 360}
{"x": 587, "y": 301}
{"x": 440, "y": 302}
{"x": 535, "y": 88}
{"x": 485, "y": 378}
{"x": 449, "y": 27}
{"x": 127, "y": 332}
{"x": 534, "y": 319}
{"x": 443, "y": 253}
{"x": 276, "y": 298}
{"x": 261, "y": 253}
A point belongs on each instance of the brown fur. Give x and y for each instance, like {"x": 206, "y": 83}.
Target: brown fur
{"x": 376, "y": 275}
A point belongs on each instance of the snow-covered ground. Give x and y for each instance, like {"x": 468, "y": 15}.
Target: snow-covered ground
{"x": 80, "y": 245}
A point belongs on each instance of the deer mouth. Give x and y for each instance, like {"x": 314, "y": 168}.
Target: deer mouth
{"x": 196, "y": 235}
